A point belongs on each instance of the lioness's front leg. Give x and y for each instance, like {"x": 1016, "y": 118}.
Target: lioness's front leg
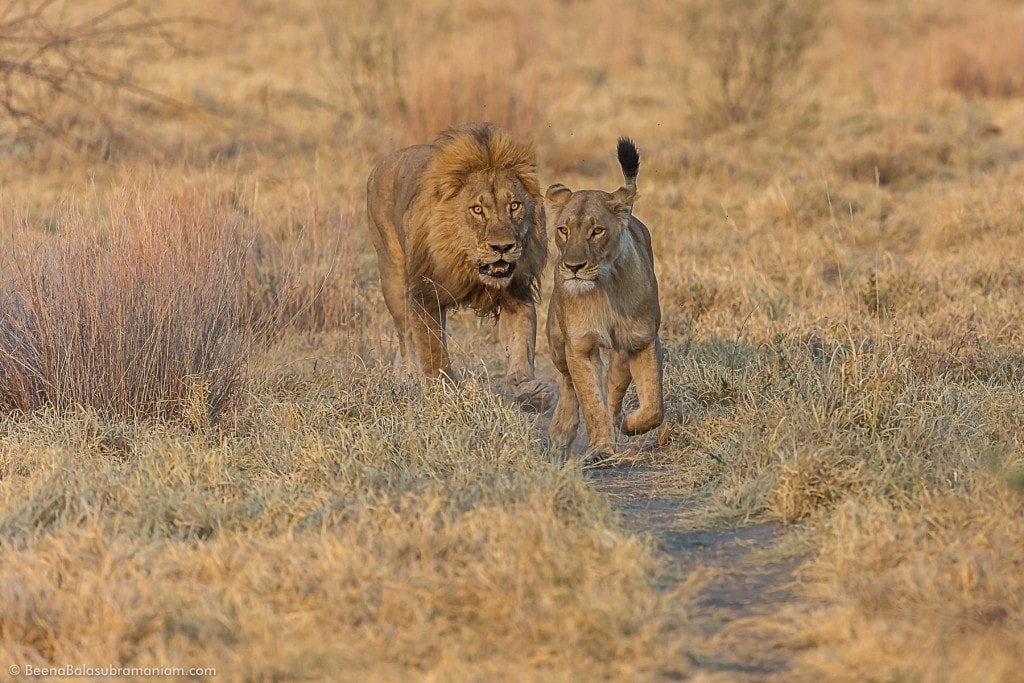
{"x": 566, "y": 419}
{"x": 646, "y": 368}
{"x": 619, "y": 378}
{"x": 585, "y": 371}
{"x": 427, "y": 325}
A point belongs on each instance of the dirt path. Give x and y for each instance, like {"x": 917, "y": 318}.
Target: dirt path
{"x": 743, "y": 577}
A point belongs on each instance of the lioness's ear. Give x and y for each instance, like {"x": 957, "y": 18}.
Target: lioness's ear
{"x": 558, "y": 194}
{"x": 622, "y": 201}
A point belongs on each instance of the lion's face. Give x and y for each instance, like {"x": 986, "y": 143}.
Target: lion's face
{"x": 498, "y": 212}
{"x": 588, "y": 232}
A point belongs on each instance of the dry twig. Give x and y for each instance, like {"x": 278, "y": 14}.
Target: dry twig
{"x": 58, "y": 75}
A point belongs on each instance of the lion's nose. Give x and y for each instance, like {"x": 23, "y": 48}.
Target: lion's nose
{"x": 574, "y": 267}
{"x": 503, "y": 247}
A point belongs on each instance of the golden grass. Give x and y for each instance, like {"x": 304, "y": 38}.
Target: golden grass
{"x": 843, "y": 354}
{"x": 333, "y": 505}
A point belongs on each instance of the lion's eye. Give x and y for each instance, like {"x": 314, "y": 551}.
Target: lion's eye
{"x": 477, "y": 210}
{"x": 597, "y": 232}
{"x": 514, "y": 206}
{"x": 563, "y": 230}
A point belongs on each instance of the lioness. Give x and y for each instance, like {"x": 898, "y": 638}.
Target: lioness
{"x": 460, "y": 222}
{"x": 605, "y": 297}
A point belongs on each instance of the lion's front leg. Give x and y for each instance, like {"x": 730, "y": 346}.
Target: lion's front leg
{"x": 518, "y": 327}
{"x": 585, "y": 370}
{"x": 427, "y": 328}
{"x": 519, "y": 332}
{"x": 391, "y": 262}
{"x": 647, "y": 369}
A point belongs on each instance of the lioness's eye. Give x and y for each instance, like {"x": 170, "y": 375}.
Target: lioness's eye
{"x": 514, "y": 206}
{"x": 478, "y": 210}
{"x": 564, "y": 230}
{"x": 597, "y": 232}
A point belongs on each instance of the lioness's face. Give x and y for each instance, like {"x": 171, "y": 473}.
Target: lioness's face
{"x": 588, "y": 229}
{"x": 499, "y": 212}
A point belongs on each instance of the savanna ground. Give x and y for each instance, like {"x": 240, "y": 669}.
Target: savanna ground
{"x": 206, "y": 460}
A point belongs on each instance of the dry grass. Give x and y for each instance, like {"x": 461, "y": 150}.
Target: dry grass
{"x": 335, "y": 504}
{"x": 842, "y": 329}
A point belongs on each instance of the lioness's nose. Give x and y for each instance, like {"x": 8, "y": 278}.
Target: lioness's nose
{"x": 502, "y": 248}
{"x": 574, "y": 267}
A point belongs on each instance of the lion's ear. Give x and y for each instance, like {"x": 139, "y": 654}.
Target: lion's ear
{"x": 622, "y": 201}
{"x": 558, "y": 194}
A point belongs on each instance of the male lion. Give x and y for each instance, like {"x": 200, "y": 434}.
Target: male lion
{"x": 460, "y": 222}
{"x": 605, "y": 297}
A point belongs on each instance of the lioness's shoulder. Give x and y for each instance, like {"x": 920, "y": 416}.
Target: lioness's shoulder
{"x": 641, "y": 235}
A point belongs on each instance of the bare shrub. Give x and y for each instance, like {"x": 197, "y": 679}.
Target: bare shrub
{"x": 62, "y": 73}
{"x": 477, "y": 90}
{"x": 985, "y": 60}
{"x": 375, "y": 79}
{"x": 753, "y": 50}
{"x": 134, "y": 320}
{"x": 366, "y": 55}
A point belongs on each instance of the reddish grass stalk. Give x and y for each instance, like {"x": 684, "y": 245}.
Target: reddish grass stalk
{"x": 136, "y": 321}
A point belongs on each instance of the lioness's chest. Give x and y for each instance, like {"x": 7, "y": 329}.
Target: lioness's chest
{"x": 595, "y": 323}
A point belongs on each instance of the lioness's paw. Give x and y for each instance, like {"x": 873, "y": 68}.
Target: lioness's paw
{"x": 639, "y": 422}
{"x": 598, "y": 458}
{"x": 534, "y": 395}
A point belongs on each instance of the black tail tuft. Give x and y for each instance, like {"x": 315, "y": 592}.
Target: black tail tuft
{"x": 629, "y": 158}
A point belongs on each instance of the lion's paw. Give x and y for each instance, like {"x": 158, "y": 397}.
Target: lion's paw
{"x": 534, "y": 395}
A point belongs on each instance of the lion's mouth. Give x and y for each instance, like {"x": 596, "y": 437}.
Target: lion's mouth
{"x": 499, "y": 269}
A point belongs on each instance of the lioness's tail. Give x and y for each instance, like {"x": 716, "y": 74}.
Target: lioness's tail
{"x": 629, "y": 160}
